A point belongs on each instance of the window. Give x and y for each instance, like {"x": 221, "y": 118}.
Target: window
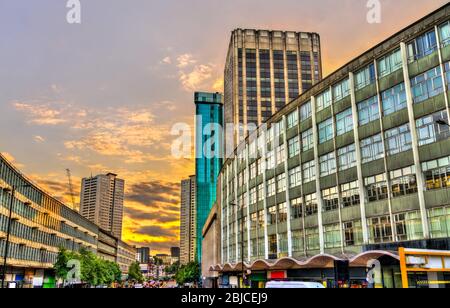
{"x": 312, "y": 239}
{"x": 327, "y": 164}
{"x": 447, "y": 74}
{"x": 439, "y": 220}
{"x": 372, "y": 148}
{"x": 398, "y": 140}
{"x": 253, "y": 171}
{"x": 427, "y": 85}
{"x": 326, "y": 131}
{"x": 309, "y": 171}
{"x": 281, "y": 183}
{"x": 394, "y": 99}
{"x": 323, "y": 100}
{"x": 282, "y": 212}
{"x": 380, "y": 229}
{"x": 261, "y": 192}
{"x": 305, "y": 111}
{"x": 292, "y": 119}
{"x": 310, "y": 205}
{"x": 350, "y": 194}
{"x": 353, "y": 233}
{"x": 330, "y": 199}
{"x": 368, "y": 111}
{"x": 403, "y": 181}
{"x": 429, "y": 131}
{"x": 341, "y": 90}
{"x": 281, "y": 155}
{"x": 444, "y": 31}
{"x": 296, "y": 208}
{"x": 271, "y": 187}
{"x": 295, "y": 177}
{"x": 260, "y": 168}
{"x": 307, "y": 140}
{"x": 270, "y": 160}
{"x": 408, "y": 226}
{"x": 422, "y": 46}
{"x": 376, "y": 187}
{"x": 294, "y": 147}
{"x": 332, "y": 236}
{"x": 389, "y": 63}
{"x": 347, "y": 157}
{"x": 437, "y": 173}
{"x": 297, "y": 241}
{"x": 344, "y": 122}
{"x": 272, "y": 215}
{"x": 253, "y": 196}
{"x": 365, "y": 77}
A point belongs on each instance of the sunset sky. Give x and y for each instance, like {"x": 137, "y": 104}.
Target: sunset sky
{"x": 102, "y": 96}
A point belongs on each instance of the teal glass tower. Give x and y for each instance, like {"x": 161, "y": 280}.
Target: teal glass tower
{"x": 209, "y": 154}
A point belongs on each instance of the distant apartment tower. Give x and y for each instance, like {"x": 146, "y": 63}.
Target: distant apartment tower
{"x": 143, "y": 255}
{"x": 208, "y": 156}
{"x": 102, "y": 202}
{"x": 264, "y": 71}
{"x": 175, "y": 252}
{"x": 188, "y": 221}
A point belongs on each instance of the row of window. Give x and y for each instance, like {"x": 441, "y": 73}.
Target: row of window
{"x": 403, "y": 227}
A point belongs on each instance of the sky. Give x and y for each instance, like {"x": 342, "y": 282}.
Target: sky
{"x": 103, "y": 95}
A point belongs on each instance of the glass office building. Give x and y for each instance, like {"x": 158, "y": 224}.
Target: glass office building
{"x": 209, "y": 153}
{"x": 353, "y": 168}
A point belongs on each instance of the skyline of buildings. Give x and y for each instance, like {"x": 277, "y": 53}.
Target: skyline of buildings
{"x": 208, "y": 157}
{"x": 264, "y": 71}
{"x": 101, "y": 201}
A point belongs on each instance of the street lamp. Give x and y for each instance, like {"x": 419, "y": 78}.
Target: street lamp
{"x": 242, "y": 240}
{"x": 11, "y": 204}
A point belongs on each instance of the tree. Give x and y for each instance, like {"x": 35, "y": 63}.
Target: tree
{"x": 173, "y": 269}
{"x": 188, "y": 273}
{"x": 94, "y": 271}
{"x": 134, "y": 273}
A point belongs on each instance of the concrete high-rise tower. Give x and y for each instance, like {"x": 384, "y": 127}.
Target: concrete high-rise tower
{"x": 264, "y": 71}
{"x": 101, "y": 202}
{"x": 188, "y": 221}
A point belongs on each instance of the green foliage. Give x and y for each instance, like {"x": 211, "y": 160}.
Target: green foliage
{"x": 173, "y": 269}
{"x": 134, "y": 273}
{"x": 188, "y": 273}
{"x": 94, "y": 271}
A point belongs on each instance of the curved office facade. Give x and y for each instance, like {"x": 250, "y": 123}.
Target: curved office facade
{"x": 359, "y": 162}
{"x": 40, "y": 225}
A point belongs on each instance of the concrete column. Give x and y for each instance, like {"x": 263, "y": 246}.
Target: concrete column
{"x": 362, "y": 191}
{"x": 247, "y": 197}
{"x": 385, "y": 155}
{"x": 264, "y": 164}
{"x": 288, "y": 198}
{"x": 317, "y": 165}
{"x": 415, "y": 144}
{"x": 236, "y": 208}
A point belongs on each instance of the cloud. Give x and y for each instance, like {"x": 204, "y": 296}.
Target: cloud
{"x": 39, "y": 139}
{"x": 149, "y": 193}
{"x": 42, "y": 114}
{"x": 196, "y": 78}
{"x": 185, "y": 60}
{"x": 167, "y": 60}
